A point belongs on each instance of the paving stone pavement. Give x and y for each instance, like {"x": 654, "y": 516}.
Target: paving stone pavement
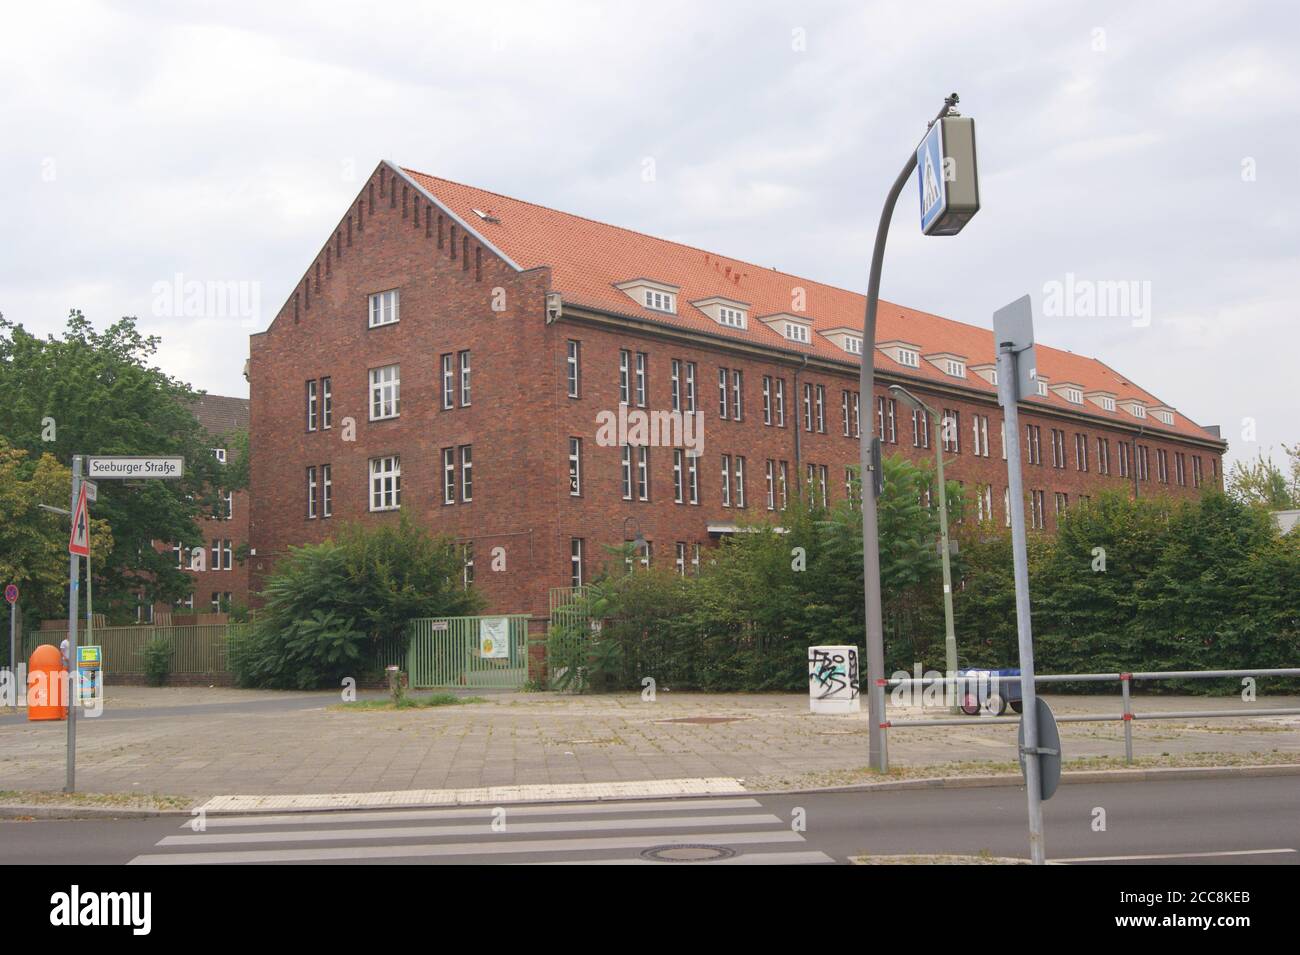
{"x": 207, "y": 742}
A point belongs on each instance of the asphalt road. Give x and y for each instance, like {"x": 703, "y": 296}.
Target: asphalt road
{"x": 1218, "y": 821}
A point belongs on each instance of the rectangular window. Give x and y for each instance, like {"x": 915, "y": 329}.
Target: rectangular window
{"x": 780, "y": 402}
{"x": 807, "y": 407}
{"x": 227, "y": 555}
{"x": 383, "y": 308}
{"x": 1143, "y": 463}
{"x": 679, "y": 488}
{"x": 679, "y": 561}
{"x": 216, "y": 556}
{"x": 1162, "y": 466}
{"x": 466, "y": 472}
{"x": 1062, "y": 502}
{"x": 385, "y": 483}
{"x": 311, "y": 405}
{"x": 783, "y": 483}
{"x": 448, "y": 381}
{"x": 733, "y": 317}
{"x": 573, "y": 367}
{"x": 1180, "y": 469}
{"x": 726, "y": 480}
{"x": 326, "y": 491}
{"x": 844, "y": 413}
{"x": 739, "y": 496}
{"x": 1081, "y": 451}
{"x": 641, "y": 386}
{"x": 693, "y": 477}
{"x": 464, "y": 378}
{"x": 695, "y": 559}
{"x": 575, "y": 467}
{"x": 920, "y": 428}
{"x": 326, "y": 404}
{"x": 228, "y": 505}
{"x": 1123, "y": 458}
{"x": 737, "y": 391}
{"x": 1058, "y": 448}
{"x": 311, "y": 497}
{"x": 467, "y": 564}
{"x": 385, "y": 392}
{"x": 821, "y": 409}
{"x": 643, "y": 473}
{"x": 952, "y": 430}
{"x": 767, "y": 399}
{"x": 690, "y": 387}
{"x": 575, "y": 561}
{"x": 980, "y": 431}
{"x": 627, "y": 472}
{"x": 1197, "y": 474}
{"x": 624, "y": 376}
{"x": 722, "y": 393}
{"x": 769, "y": 481}
{"x": 1103, "y": 456}
{"x": 448, "y": 475}
{"x": 1036, "y": 518}
{"x": 886, "y": 419}
{"x": 857, "y": 415}
{"x": 675, "y": 384}
{"x": 1033, "y": 443}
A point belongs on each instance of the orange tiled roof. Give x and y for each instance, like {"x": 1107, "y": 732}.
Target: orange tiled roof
{"x": 588, "y": 259}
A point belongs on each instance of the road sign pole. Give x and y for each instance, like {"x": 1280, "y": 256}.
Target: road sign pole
{"x": 875, "y": 630}
{"x": 74, "y": 582}
{"x": 13, "y": 642}
{"x": 1008, "y": 387}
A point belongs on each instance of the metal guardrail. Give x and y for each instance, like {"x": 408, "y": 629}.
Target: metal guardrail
{"x": 1125, "y": 681}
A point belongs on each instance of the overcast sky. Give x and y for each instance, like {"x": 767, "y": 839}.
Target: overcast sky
{"x": 1152, "y": 143}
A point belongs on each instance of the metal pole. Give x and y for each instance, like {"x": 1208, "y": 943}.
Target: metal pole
{"x": 13, "y": 643}
{"x": 949, "y": 632}
{"x": 1124, "y": 682}
{"x": 875, "y": 630}
{"x": 74, "y": 582}
{"x": 1007, "y": 387}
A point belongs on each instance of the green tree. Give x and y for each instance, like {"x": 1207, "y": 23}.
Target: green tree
{"x": 1263, "y": 483}
{"x": 92, "y": 392}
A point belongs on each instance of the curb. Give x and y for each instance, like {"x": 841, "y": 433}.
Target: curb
{"x": 54, "y": 811}
{"x": 1154, "y": 774}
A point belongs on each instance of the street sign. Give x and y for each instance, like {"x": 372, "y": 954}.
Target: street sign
{"x": 92, "y": 491}
{"x": 946, "y": 176}
{"x": 136, "y": 467}
{"x": 11, "y": 593}
{"x": 1049, "y": 750}
{"x": 1014, "y": 323}
{"x": 79, "y": 539}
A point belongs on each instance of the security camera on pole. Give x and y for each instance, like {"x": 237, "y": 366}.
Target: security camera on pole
{"x": 949, "y": 187}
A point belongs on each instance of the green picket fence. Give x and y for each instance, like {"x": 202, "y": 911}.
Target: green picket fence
{"x": 195, "y": 649}
{"x": 447, "y": 652}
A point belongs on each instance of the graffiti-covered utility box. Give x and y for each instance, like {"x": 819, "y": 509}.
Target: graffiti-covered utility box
{"x": 833, "y": 679}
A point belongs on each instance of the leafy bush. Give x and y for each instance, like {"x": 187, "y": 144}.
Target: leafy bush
{"x": 157, "y": 655}
{"x": 331, "y": 606}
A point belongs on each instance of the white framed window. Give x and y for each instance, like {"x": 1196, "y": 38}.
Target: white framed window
{"x": 643, "y": 473}
{"x": 767, "y": 399}
{"x": 675, "y": 384}
{"x": 690, "y": 387}
{"x": 311, "y": 499}
{"x": 575, "y": 467}
{"x": 679, "y": 562}
{"x": 1139, "y": 411}
{"x": 575, "y": 561}
{"x": 739, "y": 496}
{"x": 909, "y": 357}
{"x": 780, "y": 402}
{"x": 726, "y": 480}
{"x": 722, "y": 393}
{"x": 769, "y": 480}
{"x": 1107, "y": 403}
{"x": 679, "y": 477}
{"x": 464, "y": 378}
{"x": 219, "y": 454}
{"x": 467, "y": 564}
{"x": 853, "y": 345}
{"x": 1074, "y": 396}
{"x": 624, "y": 376}
{"x": 227, "y": 555}
{"x": 326, "y": 403}
{"x": 326, "y": 491}
{"x": 466, "y": 472}
{"x": 732, "y": 317}
{"x": 695, "y": 559}
{"x": 228, "y": 503}
{"x": 737, "y": 402}
{"x": 956, "y": 368}
{"x": 1166, "y": 417}
{"x": 448, "y": 475}
{"x": 627, "y": 472}
{"x": 821, "y": 409}
{"x": 448, "y": 381}
{"x": 1042, "y": 388}
{"x": 796, "y": 332}
{"x": 312, "y": 406}
{"x": 574, "y": 367}
{"x": 384, "y": 308}
{"x": 693, "y": 478}
{"x": 386, "y": 483}
{"x": 659, "y": 301}
{"x": 385, "y": 392}
{"x": 640, "y": 379}
{"x": 783, "y": 483}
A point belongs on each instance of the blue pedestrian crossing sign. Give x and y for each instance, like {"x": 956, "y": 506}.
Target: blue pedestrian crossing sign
{"x": 946, "y": 177}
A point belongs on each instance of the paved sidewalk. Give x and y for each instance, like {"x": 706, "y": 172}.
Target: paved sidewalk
{"x": 208, "y": 742}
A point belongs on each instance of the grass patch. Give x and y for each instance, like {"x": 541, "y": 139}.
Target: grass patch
{"x": 409, "y": 702}
{"x": 18, "y": 797}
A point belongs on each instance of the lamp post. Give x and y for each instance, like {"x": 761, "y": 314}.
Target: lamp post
{"x": 949, "y": 634}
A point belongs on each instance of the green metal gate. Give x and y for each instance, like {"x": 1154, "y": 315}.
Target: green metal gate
{"x": 450, "y": 652}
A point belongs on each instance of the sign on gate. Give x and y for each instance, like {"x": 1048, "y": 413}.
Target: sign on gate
{"x": 494, "y": 638}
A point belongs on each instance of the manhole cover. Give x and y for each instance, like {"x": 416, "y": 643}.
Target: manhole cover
{"x": 688, "y": 853}
{"x": 704, "y": 720}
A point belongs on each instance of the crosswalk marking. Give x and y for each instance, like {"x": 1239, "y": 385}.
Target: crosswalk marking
{"x": 597, "y": 833}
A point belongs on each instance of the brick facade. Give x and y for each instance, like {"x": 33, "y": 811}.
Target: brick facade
{"x": 457, "y": 294}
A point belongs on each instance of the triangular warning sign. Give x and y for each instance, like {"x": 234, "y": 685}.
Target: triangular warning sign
{"x": 79, "y": 541}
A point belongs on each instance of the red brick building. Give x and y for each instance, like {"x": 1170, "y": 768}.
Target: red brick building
{"x": 468, "y": 359}
{"x": 222, "y": 583}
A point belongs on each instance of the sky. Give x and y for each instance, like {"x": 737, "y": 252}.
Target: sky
{"x": 145, "y": 146}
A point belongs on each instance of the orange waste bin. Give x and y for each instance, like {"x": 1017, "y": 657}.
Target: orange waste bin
{"x": 47, "y": 684}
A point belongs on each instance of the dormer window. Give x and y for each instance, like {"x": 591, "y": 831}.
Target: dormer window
{"x": 660, "y": 301}
{"x": 1042, "y": 388}
{"x": 993, "y": 376}
{"x": 949, "y": 363}
{"x": 796, "y": 332}
{"x": 910, "y": 358}
{"x": 1107, "y": 403}
{"x": 956, "y": 368}
{"x": 852, "y": 345}
{"x": 1138, "y": 411}
{"x": 1074, "y": 395}
{"x": 731, "y": 313}
{"x": 1164, "y": 415}
{"x": 731, "y": 317}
